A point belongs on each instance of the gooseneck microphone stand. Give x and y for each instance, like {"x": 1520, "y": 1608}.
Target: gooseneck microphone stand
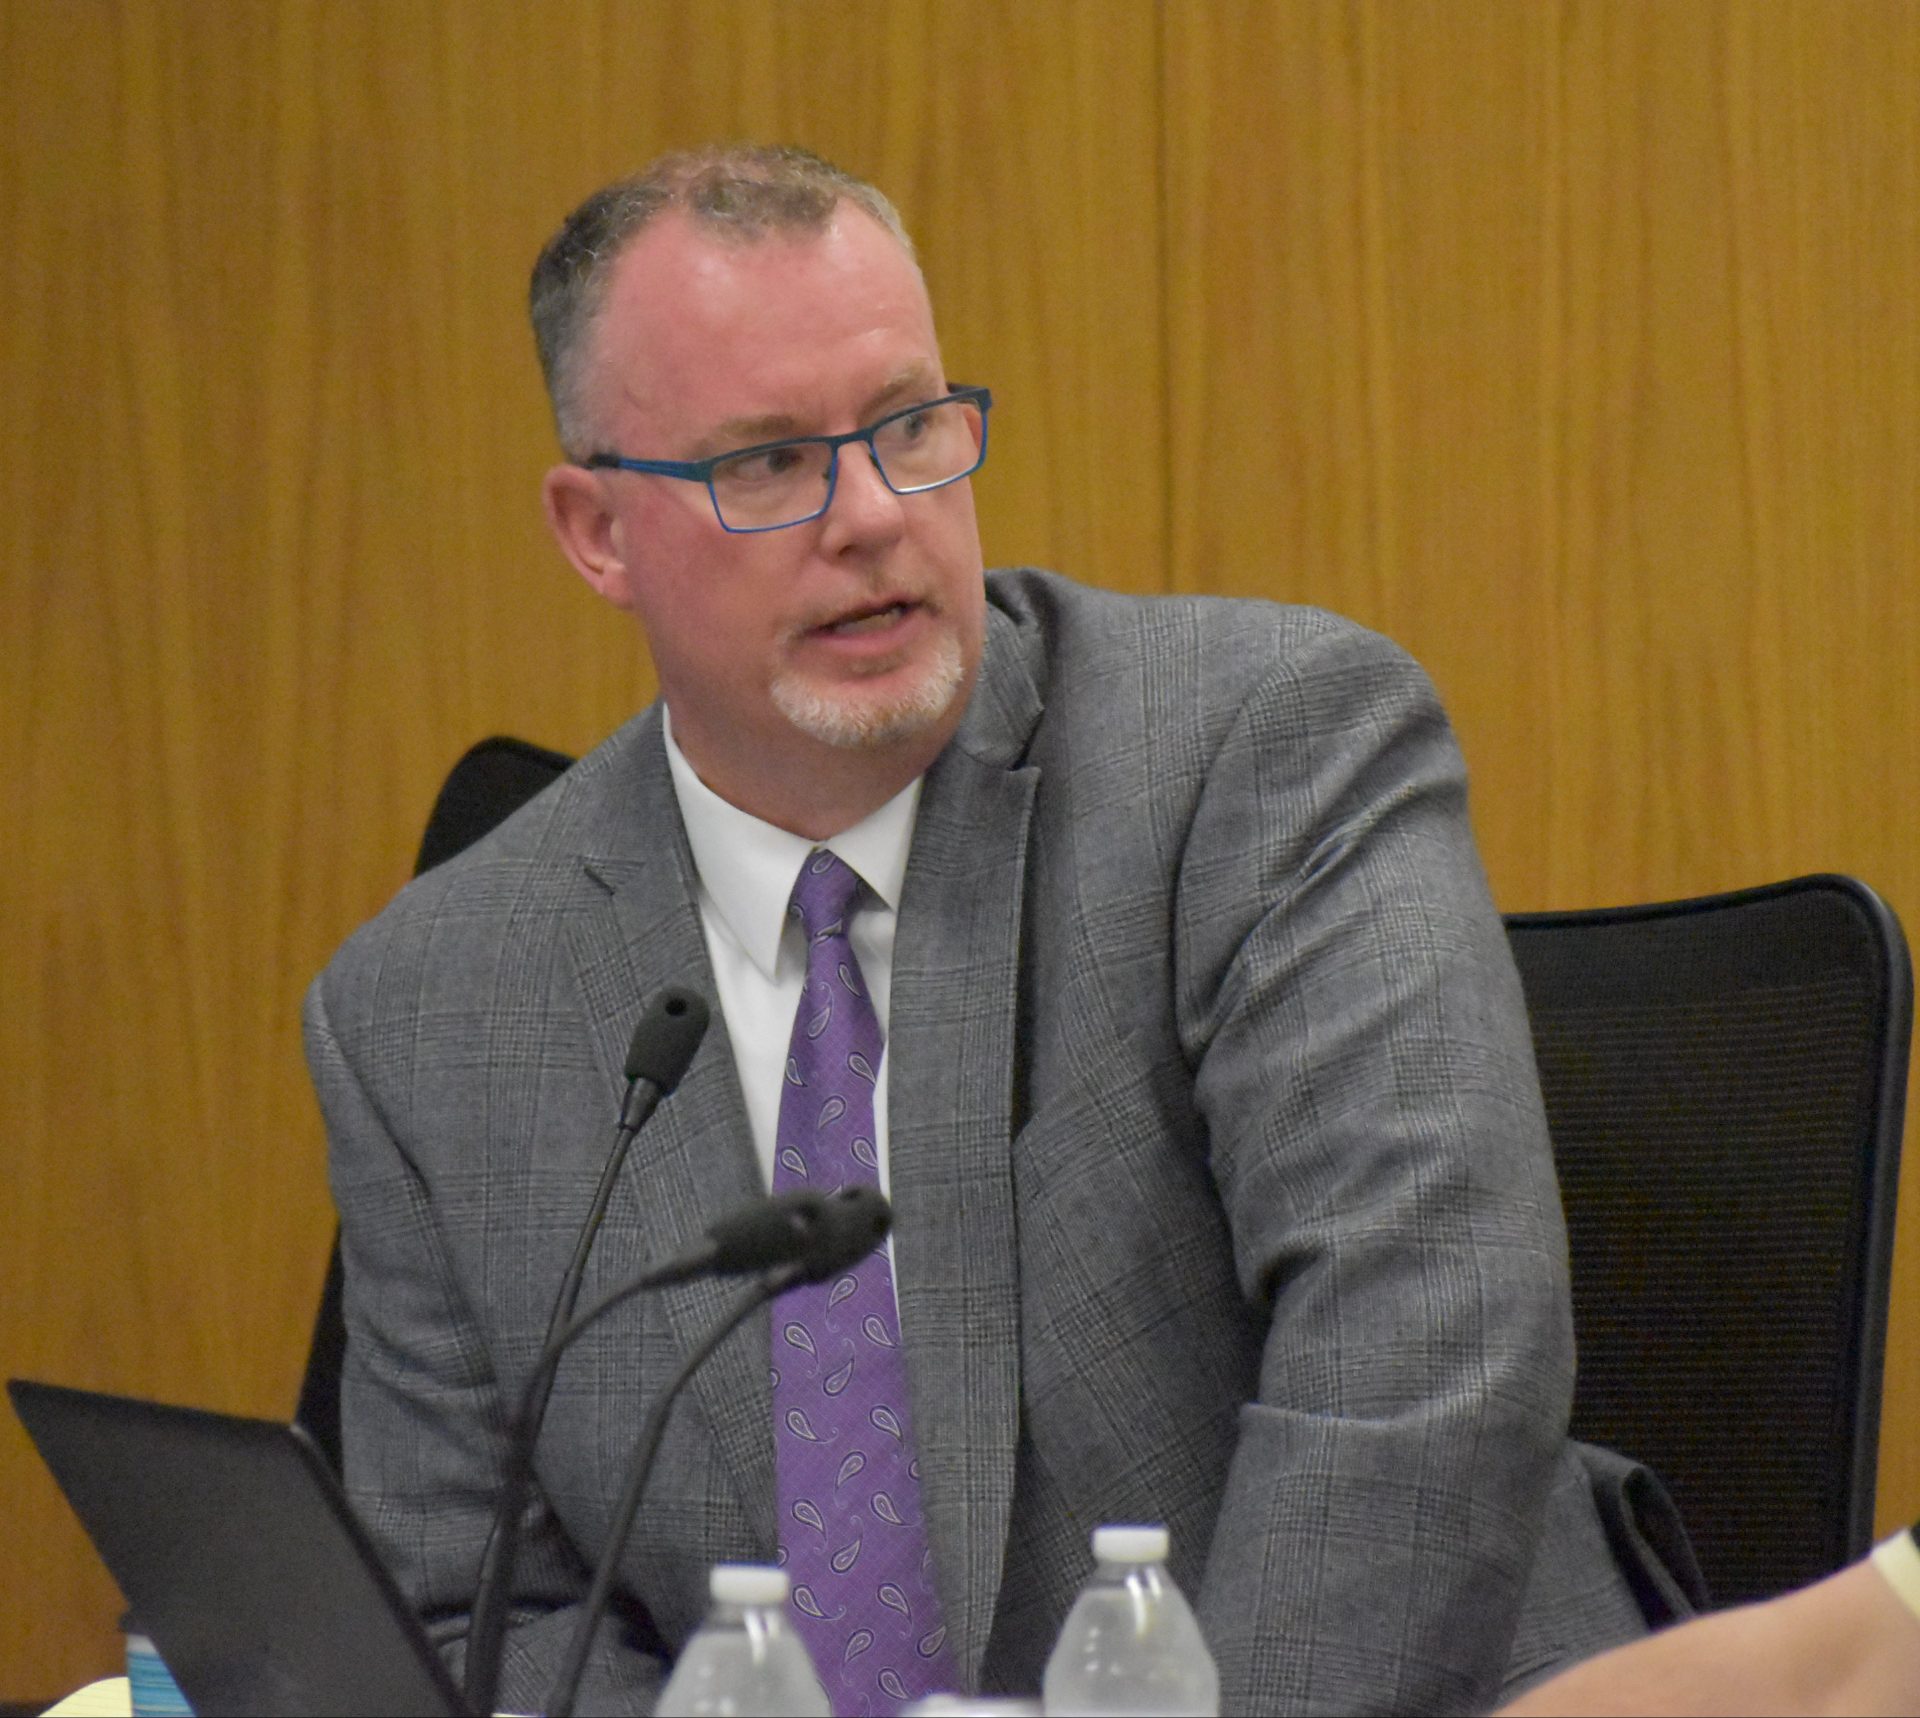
{"x": 668, "y": 1032}
{"x": 797, "y": 1237}
{"x": 848, "y": 1225}
{"x": 566, "y": 1685}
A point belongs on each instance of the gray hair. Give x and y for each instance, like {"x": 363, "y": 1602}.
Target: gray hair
{"x": 737, "y": 191}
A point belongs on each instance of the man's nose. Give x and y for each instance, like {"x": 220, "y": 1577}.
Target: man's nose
{"x": 863, "y": 506}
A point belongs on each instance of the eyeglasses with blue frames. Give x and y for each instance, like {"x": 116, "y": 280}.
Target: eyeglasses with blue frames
{"x": 780, "y": 483}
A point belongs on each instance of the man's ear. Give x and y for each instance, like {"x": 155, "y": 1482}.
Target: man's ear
{"x": 583, "y": 526}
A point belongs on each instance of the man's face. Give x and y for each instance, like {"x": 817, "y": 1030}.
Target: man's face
{"x": 855, "y": 636}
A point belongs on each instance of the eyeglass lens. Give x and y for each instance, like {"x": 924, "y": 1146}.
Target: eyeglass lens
{"x": 920, "y": 448}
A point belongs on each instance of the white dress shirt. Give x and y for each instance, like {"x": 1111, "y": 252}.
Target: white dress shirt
{"x": 746, "y": 870}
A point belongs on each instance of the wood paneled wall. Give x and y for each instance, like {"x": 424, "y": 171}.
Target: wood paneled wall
{"x": 1574, "y": 344}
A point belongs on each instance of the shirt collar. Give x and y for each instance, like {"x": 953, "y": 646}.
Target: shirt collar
{"x": 747, "y": 866}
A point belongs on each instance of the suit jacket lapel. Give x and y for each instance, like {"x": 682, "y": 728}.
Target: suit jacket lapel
{"x": 952, "y": 1054}
{"x": 640, "y": 928}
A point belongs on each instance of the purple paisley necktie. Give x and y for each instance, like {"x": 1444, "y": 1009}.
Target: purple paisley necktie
{"x": 851, "y": 1533}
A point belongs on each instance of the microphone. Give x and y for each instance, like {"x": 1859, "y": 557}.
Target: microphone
{"x": 804, "y": 1237}
{"x": 810, "y": 1235}
{"x": 827, "y": 1235}
{"x": 818, "y": 1233}
{"x": 668, "y": 1032}
{"x": 845, "y": 1227}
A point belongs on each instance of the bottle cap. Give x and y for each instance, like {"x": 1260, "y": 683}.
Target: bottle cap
{"x": 747, "y": 1584}
{"x": 1130, "y": 1544}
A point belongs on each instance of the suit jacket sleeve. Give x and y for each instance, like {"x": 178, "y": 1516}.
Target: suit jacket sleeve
{"x": 1362, "y": 1059}
{"x": 423, "y": 1419}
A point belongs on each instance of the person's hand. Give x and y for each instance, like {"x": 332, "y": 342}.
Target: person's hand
{"x": 1847, "y": 1644}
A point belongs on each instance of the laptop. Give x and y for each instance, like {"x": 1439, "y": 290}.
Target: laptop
{"x": 240, "y": 1555}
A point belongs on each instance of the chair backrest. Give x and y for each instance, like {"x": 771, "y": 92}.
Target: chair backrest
{"x": 1725, "y": 1082}
{"x": 492, "y": 780}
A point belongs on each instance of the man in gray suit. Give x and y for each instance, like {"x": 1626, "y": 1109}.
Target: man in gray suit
{"x": 1206, "y": 1104}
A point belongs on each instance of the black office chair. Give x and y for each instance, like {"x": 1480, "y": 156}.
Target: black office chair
{"x": 1725, "y": 1082}
{"x": 494, "y": 778}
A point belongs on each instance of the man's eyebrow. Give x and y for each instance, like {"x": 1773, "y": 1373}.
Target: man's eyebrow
{"x": 747, "y": 432}
{"x": 917, "y": 381}
{"x": 908, "y": 385}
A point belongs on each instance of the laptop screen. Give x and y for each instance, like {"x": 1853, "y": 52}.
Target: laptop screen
{"x": 240, "y": 1556}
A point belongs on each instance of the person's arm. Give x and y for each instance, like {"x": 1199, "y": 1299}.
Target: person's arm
{"x": 422, "y": 1418}
{"x": 1377, "y": 1136}
{"x": 1848, "y": 1644}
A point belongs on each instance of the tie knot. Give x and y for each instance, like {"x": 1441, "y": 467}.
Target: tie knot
{"x": 823, "y": 894}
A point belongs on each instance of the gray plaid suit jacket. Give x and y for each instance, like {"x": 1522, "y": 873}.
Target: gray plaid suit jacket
{"x": 1221, "y": 1182}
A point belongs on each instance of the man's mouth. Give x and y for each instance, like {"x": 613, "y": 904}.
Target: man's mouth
{"x": 876, "y": 619}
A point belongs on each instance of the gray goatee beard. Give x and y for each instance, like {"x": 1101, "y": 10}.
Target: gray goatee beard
{"x": 851, "y": 719}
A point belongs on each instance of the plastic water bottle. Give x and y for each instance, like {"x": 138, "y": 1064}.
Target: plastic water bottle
{"x": 744, "y": 1658}
{"x": 1130, "y": 1647}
